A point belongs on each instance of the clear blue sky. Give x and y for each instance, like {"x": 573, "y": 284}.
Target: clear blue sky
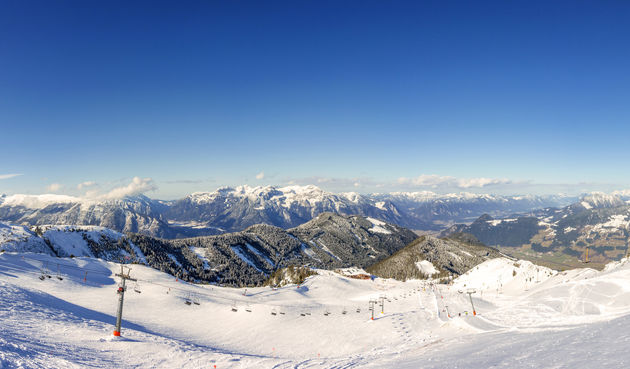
{"x": 199, "y": 94}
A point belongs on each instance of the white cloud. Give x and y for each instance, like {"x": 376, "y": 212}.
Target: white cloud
{"x": 86, "y": 184}
{"x": 431, "y": 180}
{"x": 435, "y": 181}
{"x": 53, "y": 187}
{"x": 481, "y": 182}
{"x": 260, "y": 175}
{"x": 138, "y": 186}
{"x": 7, "y": 176}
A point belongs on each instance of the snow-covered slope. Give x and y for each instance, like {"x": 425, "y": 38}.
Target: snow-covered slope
{"x": 16, "y": 238}
{"x": 526, "y": 316}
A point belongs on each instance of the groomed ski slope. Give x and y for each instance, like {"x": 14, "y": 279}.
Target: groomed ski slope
{"x": 527, "y": 316}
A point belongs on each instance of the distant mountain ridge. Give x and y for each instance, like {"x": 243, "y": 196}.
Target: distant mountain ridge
{"x": 598, "y": 221}
{"x": 234, "y": 209}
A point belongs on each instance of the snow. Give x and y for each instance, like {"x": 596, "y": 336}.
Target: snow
{"x": 426, "y": 267}
{"x": 586, "y": 205}
{"x": 496, "y": 222}
{"x": 325, "y": 248}
{"x": 378, "y": 226}
{"x": 534, "y": 318}
{"x": 308, "y": 251}
{"x": 260, "y": 254}
{"x": 239, "y": 252}
{"x": 201, "y": 254}
{"x": 20, "y": 239}
{"x": 68, "y": 243}
{"x": 174, "y": 259}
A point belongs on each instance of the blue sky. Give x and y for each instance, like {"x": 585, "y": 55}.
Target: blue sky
{"x": 531, "y": 96}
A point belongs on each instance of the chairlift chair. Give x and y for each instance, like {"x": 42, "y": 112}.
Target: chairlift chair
{"x": 234, "y": 308}
{"x": 59, "y": 277}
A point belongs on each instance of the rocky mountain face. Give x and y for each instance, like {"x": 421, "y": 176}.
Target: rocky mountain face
{"x": 133, "y": 214}
{"x": 235, "y": 209}
{"x": 433, "y": 257}
{"x": 232, "y": 209}
{"x": 600, "y": 222}
{"x": 243, "y": 258}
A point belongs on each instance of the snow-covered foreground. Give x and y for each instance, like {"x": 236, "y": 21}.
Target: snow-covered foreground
{"x": 527, "y": 316}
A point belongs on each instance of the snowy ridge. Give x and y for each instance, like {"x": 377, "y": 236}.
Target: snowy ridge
{"x": 601, "y": 200}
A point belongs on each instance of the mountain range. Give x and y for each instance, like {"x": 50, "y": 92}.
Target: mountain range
{"x": 598, "y": 221}
{"x": 235, "y": 209}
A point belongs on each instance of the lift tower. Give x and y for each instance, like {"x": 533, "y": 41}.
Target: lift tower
{"x": 121, "y": 296}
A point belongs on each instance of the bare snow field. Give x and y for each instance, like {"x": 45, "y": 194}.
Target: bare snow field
{"x": 526, "y": 317}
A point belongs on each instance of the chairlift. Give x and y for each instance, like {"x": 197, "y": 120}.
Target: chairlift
{"x": 358, "y": 310}
{"x": 274, "y": 312}
{"x": 248, "y": 308}
{"x": 136, "y": 289}
{"x": 196, "y": 300}
{"x": 344, "y": 311}
{"x": 187, "y": 300}
{"x": 234, "y": 308}
{"x": 45, "y": 271}
{"x": 326, "y": 312}
{"x": 59, "y": 277}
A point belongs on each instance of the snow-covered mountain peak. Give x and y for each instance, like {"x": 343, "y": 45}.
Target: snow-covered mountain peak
{"x": 255, "y": 193}
{"x": 601, "y": 200}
